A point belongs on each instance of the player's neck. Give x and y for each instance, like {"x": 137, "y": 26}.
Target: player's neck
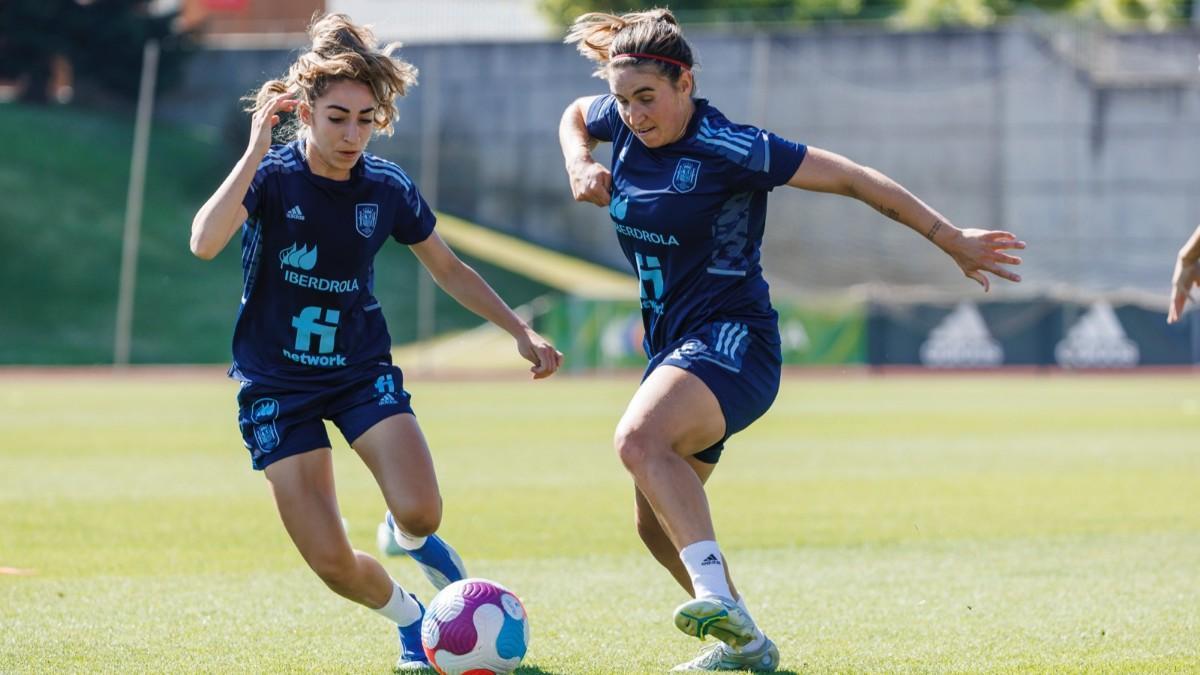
{"x": 687, "y": 121}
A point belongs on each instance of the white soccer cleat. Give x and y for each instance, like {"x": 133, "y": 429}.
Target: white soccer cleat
{"x": 718, "y": 617}
{"x": 403, "y": 666}
{"x": 386, "y": 542}
{"x": 721, "y": 656}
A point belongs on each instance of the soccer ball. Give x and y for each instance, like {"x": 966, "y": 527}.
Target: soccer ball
{"x": 475, "y": 627}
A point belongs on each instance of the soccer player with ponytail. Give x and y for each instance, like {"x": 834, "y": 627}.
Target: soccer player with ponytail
{"x": 310, "y": 342}
{"x": 687, "y": 193}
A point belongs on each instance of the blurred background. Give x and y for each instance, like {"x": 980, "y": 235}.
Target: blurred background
{"x": 1074, "y": 124}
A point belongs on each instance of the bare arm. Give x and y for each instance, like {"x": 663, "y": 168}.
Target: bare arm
{"x": 974, "y": 251}
{"x": 1190, "y": 253}
{"x": 471, "y": 291}
{"x": 1187, "y": 275}
{"x": 590, "y": 181}
{"x": 219, "y": 218}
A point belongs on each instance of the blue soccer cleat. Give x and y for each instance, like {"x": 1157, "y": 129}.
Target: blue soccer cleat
{"x": 412, "y": 654}
{"x": 437, "y": 559}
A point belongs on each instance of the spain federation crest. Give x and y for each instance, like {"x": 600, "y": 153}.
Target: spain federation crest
{"x": 365, "y": 216}
{"x": 266, "y": 436}
{"x": 687, "y": 171}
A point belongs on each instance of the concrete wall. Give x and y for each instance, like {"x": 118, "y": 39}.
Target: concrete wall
{"x": 1087, "y": 147}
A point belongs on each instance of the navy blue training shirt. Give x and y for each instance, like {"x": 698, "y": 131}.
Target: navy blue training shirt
{"x": 308, "y": 317}
{"x": 690, "y": 216}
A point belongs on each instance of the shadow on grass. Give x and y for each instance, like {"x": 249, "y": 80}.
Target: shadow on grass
{"x": 534, "y": 670}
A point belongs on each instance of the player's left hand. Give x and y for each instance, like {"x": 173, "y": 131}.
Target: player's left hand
{"x": 1186, "y": 276}
{"x": 538, "y": 351}
{"x": 977, "y": 251}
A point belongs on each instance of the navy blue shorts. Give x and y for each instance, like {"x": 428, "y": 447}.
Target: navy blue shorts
{"x": 278, "y": 423}
{"x": 740, "y": 367}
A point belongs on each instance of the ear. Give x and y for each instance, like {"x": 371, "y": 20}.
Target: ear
{"x": 305, "y": 113}
{"x": 687, "y": 83}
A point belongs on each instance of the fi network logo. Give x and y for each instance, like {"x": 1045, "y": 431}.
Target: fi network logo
{"x": 308, "y": 325}
{"x": 315, "y": 324}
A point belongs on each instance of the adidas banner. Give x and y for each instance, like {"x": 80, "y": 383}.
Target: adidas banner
{"x": 1039, "y": 332}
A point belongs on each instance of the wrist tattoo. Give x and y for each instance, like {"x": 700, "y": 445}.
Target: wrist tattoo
{"x": 937, "y": 225}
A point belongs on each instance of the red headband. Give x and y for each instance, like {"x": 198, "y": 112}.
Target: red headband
{"x": 655, "y": 57}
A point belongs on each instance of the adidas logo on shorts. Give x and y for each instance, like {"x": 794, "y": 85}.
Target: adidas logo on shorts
{"x": 387, "y": 399}
{"x": 295, "y": 213}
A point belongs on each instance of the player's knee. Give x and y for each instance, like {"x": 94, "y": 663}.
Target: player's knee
{"x": 419, "y": 522}
{"x": 634, "y": 446}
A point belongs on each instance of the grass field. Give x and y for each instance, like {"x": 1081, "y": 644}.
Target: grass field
{"x": 887, "y": 524}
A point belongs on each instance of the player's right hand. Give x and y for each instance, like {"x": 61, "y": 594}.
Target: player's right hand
{"x": 538, "y": 351}
{"x": 590, "y": 181}
{"x": 1186, "y": 276}
{"x": 266, "y": 118}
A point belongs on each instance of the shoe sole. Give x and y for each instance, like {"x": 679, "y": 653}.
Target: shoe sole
{"x": 765, "y": 660}
{"x": 413, "y": 667}
{"x": 699, "y": 618}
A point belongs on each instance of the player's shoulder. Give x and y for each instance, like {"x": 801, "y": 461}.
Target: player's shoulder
{"x": 282, "y": 159}
{"x": 718, "y": 136}
{"x": 601, "y": 104}
{"x": 386, "y": 172}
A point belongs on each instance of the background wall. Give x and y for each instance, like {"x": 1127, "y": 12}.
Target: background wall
{"x": 1084, "y": 144}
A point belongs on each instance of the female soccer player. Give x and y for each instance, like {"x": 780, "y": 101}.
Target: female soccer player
{"x": 310, "y": 341}
{"x": 687, "y": 194}
{"x": 1187, "y": 275}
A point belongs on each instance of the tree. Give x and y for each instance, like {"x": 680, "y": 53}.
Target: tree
{"x": 563, "y": 12}
{"x": 102, "y": 40}
{"x": 1152, "y": 14}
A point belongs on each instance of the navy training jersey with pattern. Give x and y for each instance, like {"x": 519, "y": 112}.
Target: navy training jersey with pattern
{"x": 690, "y": 217}
{"x": 308, "y": 317}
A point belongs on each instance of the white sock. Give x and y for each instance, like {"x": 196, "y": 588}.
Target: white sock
{"x": 406, "y": 541}
{"x": 759, "y": 636}
{"x": 401, "y": 609}
{"x": 706, "y": 567}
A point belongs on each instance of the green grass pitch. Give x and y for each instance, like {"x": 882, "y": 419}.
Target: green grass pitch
{"x": 889, "y": 524}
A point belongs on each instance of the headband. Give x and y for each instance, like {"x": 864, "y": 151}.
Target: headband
{"x": 655, "y": 57}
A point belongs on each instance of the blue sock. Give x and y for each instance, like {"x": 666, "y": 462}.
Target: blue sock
{"x": 438, "y": 560}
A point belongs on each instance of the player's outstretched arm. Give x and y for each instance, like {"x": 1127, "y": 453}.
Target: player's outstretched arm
{"x": 1187, "y": 275}
{"x": 590, "y": 180}
{"x": 219, "y": 218}
{"x": 975, "y": 251}
{"x": 470, "y": 290}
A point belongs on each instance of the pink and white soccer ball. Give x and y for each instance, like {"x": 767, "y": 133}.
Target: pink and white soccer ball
{"x": 475, "y": 627}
